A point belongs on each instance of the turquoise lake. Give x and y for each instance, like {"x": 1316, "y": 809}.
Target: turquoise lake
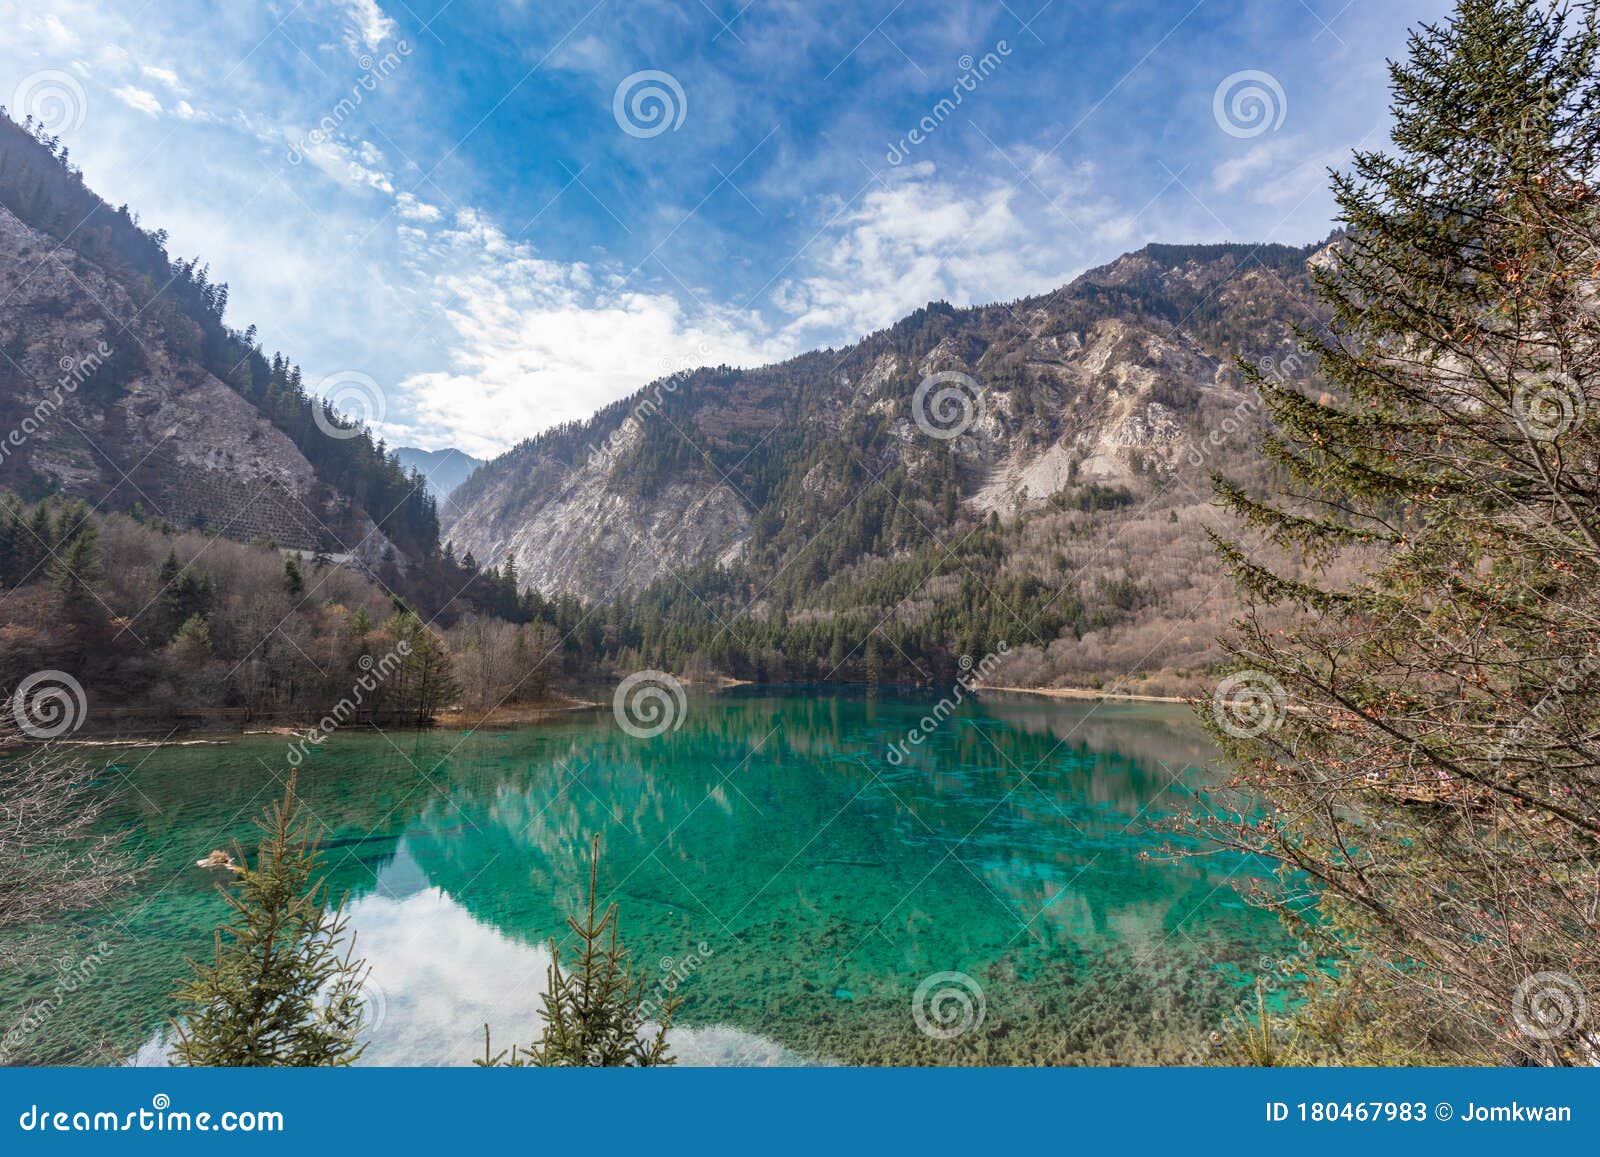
{"x": 773, "y": 866}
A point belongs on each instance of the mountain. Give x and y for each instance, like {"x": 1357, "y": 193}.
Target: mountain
{"x": 1025, "y": 480}
{"x": 1033, "y": 474}
{"x": 121, "y": 384}
{"x": 444, "y": 469}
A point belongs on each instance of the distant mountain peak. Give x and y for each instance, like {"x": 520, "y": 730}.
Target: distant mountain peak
{"x": 444, "y": 469}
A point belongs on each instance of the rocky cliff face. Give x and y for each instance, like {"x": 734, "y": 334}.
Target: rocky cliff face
{"x": 1123, "y": 380}
{"x": 580, "y": 533}
{"x": 102, "y": 401}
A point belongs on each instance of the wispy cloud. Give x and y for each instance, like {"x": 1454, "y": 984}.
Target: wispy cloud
{"x": 367, "y": 26}
{"x": 475, "y": 230}
{"x": 138, "y": 98}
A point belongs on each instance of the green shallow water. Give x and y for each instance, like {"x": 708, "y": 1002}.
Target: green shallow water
{"x": 770, "y": 861}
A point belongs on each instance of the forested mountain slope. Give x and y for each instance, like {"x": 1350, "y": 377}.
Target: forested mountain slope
{"x": 1033, "y": 474}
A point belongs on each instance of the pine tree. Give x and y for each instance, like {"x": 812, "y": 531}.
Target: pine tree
{"x": 12, "y": 535}
{"x": 872, "y": 661}
{"x": 294, "y": 583}
{"x": 182, "y": 593}
{"x": 76, "y": 573}
{"x": 594, "y": 1014}
{"x": 1424, "y": 735}
{"x": 284, "y": 987}
{"x": 424, "y": 681}
{"x": 39, "y": 535}
{"x": 193, "y": 639}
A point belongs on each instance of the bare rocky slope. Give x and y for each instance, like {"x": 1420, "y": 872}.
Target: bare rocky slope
{"x": 104, "y": 408}
{"x": 1086, "y": 422}
{"x": 121, "y": 384}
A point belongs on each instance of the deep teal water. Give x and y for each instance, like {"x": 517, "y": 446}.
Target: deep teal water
{"x": 772, "y": 865}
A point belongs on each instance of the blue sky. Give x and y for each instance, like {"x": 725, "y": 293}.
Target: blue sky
{"x": 466, "y": 203}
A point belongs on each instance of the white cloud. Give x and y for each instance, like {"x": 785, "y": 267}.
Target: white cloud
{"x": 1270, "y": 156}
{"x": 530, "y": 342}
{"x": 354, "y": 167}
{"x": 411, "y": 209}
{"x": 138, "y": 98}
{"x": 913, "y": 239}
{"x": 165, "y": 76}
{"x": 534, "y": 342}
{"x": 50, "y": 31}
{"x": 368, "y": 25}
{"x": 481, "y": 339}
{"x": 1278, "y": 172}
